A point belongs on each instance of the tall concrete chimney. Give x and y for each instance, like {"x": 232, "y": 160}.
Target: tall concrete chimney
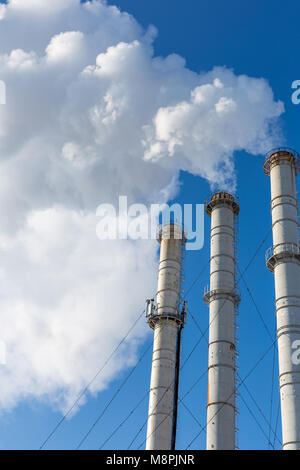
{"x": 167, "y": 321}
{"x": 283, "y": 259}
{"x": 223, "y": 299}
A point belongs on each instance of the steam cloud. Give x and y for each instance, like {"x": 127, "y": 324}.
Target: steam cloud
{"x": 91, "y": 113}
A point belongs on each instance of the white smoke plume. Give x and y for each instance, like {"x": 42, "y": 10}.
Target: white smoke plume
{"x": 92, "y": 113}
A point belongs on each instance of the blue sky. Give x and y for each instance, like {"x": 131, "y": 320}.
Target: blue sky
{"x": 259, "y": 39}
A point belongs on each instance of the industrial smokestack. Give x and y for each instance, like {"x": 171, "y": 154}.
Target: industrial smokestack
{"x": 223, "y": 301}
{"x": 167, "y": 321}
{"x": 283, "y": 259}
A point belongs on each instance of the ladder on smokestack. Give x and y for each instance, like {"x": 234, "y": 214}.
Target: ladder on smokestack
{"x": 236, "y": 324}
{"x": 182, "y": 308}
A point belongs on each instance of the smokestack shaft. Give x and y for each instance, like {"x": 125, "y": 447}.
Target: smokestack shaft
{"x": 284, "y": 260}
{"x": 165, "y": 323}
{"x": 221, "y": 299}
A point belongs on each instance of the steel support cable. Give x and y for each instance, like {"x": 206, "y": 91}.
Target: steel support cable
{"x": 261, "y": 412}
{"x": 181, "y": 400}
{"x": 196, "y": 280}
{"x": 273, "y": 365}
{"x": 86, "y": 388}
{"x": 274, "y": 350}
{"x": 185, "y": 296}
{"x": 269, "y": 422}
{"x": 137, "y": 434}
{"x": 272, "y": 391}
{"x": 277, "y": 418}
{"x": 191, "y": 413}
{"x": 124, "y": 420}
{"x": 256, "y": 307}
{"x": 113, "y": 397}
{"x": 194, "y": 384}
{"x": 203, "y": 333}
{"x": 258, "y": 249}
{"x": 254, "y": 417}
{"x": 239, "y": 385}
